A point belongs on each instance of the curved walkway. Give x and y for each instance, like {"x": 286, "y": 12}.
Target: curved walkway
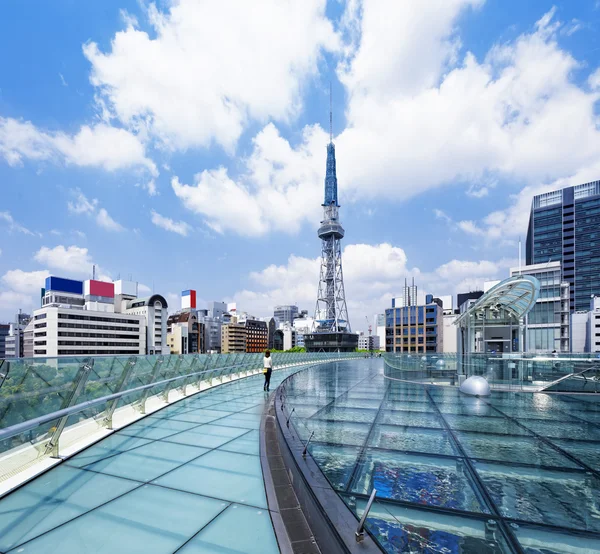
{"x": 186, "y": 479}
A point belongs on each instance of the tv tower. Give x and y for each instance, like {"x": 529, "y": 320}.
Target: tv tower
{"x": 331, "y": 313}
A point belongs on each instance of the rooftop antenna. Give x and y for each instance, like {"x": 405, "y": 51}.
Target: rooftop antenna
{"x": 330, "y": 116}
{"x": 94, "y": 272}
{"x": 520, "y": 256}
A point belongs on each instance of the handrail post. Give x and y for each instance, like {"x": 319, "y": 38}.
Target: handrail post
{"x": 169, "y": 386}
{"x": 290, "y": 417}
{"x": 195, "y": 360}
{"x": 141, "y": 404}
{"x": 306, "y": 445}
{"x": 78, "y": 384}
{"x": 107, "y": 420}
{"x": 360, "y": 531}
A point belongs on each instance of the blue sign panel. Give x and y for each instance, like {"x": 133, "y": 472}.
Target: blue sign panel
{"x": 59, "y": 284}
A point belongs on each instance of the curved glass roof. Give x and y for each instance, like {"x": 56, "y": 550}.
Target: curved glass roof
{"x": 517, "y": 295}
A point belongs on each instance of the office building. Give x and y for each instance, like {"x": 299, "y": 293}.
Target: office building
{"x": 463, "y": 297}
{"x": 4, "y": 333}
{"x": 212, "y": 332}
{"x": 285, "y": 314}
{"x": 216, "y": 309}
{"x": 66, "y": 325}
{"x": 14, "y": 340}
{"x": 185, "y": 334}
{"x": 257, "y": 335}
{"x": 547, "y": 325}
{"x": 154, "y": 310}
{"x": 415, "y": 329}
{"x": 564, "y": 226}
{"x": 233, "y": 338}
{"x": 271, "y": 328}
{"x": 368, "y": 342}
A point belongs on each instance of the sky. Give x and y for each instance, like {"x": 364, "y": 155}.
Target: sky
{"x": 182, "y": 143}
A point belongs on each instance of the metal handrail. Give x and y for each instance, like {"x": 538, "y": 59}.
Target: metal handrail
{"x": 19, "y": 428}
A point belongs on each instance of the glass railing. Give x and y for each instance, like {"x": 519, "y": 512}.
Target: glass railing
{"x": 510, "y": 371}
{"x": 51, "y": 407}
{"x": 447, "y": 472}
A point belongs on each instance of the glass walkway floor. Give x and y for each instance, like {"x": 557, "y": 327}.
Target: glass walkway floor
{"x": 186, "y": 479}
{"x": 513, "y": 473}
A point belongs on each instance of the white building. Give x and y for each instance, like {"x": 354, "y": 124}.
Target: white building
{"x": 77, "y": 319}
{"x": 450, "y": 340}
{"x": 579, "y": 332}
{"x": 379, "y": 329}
{"x": 154, "y": 310}
{"x": 62, "y": 331}
{"x": 368, "y": 342}
{"x": 593, "y": 330}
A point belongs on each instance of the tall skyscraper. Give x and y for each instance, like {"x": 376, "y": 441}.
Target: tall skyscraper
{"x": 331, "y": 312}
{"x": 564, "y": 226}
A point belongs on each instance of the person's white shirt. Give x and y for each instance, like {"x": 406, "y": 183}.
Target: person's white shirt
{"x": 268, "y": 362}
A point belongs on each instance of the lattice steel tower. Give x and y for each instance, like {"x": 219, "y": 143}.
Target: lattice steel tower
{"x": 331, "y": 313}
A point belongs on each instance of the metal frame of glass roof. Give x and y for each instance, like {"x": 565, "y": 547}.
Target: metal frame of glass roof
{"x": 517, "y": 295}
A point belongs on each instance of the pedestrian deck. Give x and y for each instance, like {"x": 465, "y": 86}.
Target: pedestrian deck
{"x": 185, "y": 479}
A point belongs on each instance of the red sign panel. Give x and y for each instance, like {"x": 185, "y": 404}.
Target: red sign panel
{"x": 100, "y": 288}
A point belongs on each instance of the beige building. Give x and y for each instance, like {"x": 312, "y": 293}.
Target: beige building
{"x": 185, "y": 335}
{"x": 233, "y": 338}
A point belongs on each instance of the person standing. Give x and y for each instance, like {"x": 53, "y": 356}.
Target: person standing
{"x": 268, "y": 369}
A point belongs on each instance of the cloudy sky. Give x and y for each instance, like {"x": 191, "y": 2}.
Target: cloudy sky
{"x": 182, "y": 143}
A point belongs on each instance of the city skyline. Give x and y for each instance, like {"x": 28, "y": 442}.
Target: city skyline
{"x": 440, "y": 149}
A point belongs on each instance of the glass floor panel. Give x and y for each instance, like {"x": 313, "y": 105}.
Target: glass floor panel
{"x": 401, "y": 529}
{"x": 434, "y": 481}
{"x": 412, "y": 439}
{"x": 561, "y": 498}
{"x": 508, "y": 448}
{"x": 173, "y": 478}
{"x": 456, "y": 474}
{"x": 336, "y": 462}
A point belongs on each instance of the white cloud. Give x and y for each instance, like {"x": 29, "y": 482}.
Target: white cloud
{"x": 179, "y": 227}
{"x": 13, "y": 225}
{"x": 506, "y": 115}
{"x": 280, "y": 188}
{"x": 202, "y": 75}
{"x": 106, "y": 222}
{"x": 10, "y": 301}
{"x": 421, "y": 114}
{"x": 25, "y": 282}
{"x": 81, "y": 205}
{"x": 143, "y": 290}
{"x": 71, "y": 259}
{"x": 373, "y": 275}
{"x": 505, "y": 225}
{"x": 100, "y": 146}
{"x": 594, "y": 80}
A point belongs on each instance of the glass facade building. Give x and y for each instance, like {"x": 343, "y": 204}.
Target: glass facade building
{"x": 417, "y": 329}
{"x": 564, "y": 227}
{"x": 547, "y": 325}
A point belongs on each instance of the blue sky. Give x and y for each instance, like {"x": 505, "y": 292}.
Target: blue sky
{"x": 183, "y": 143}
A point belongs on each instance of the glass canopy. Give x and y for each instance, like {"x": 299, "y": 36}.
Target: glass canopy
{"x": 516, "y": 295}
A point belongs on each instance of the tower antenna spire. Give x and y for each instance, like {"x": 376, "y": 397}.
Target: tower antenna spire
{"x": 330, "y": 116}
